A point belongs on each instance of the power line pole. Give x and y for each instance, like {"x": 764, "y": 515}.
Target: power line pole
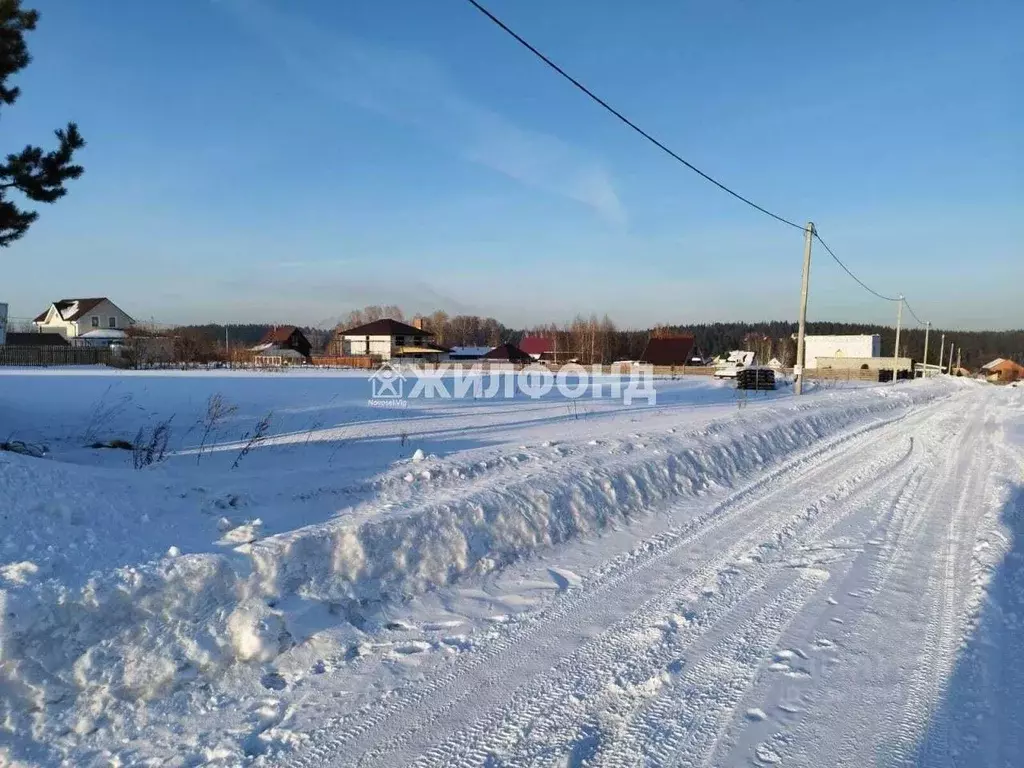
{"x": 942, "y": 351}
{"x": 927, "y": 330}
{"x": 896, "y": 351}
{"x": 958, "y": 351}
{"x": 798, "y": 369}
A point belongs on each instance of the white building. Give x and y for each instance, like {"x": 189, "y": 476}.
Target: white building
{"x": 389, "y": 339}
{"x": 95, "y": 321}
{"x": 840, "y": 346}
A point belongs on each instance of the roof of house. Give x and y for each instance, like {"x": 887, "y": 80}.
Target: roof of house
{"x": 279, "y": 334}
{"x": 668, "y": 350}
{"x": 470, "y": 351}
{"x": 386, "y": 327}
{"x": 426, "y": 348}
{"x": 1002, "y": 364}
{"x": 509, "y": 352}
{"x": 72, "y": 309}
{"x": 536, "y": 345}
{"x": 36, "y": 340}
{"x": 104, "y": 333}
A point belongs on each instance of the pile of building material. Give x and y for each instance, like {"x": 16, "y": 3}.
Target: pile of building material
{"x": 755, "y": 377}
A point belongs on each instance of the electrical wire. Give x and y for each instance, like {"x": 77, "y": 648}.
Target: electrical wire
{"x": 620, "y": 116}
{"x": 526, "y": 44}
{"x": 913, "y": 313}
{"x": 846, "y": 269}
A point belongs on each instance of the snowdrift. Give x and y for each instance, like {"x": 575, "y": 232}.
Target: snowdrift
{"x": 134, "y": 633}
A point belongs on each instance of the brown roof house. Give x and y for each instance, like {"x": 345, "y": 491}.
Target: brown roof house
{"x": 284, "y": 342}
{"x": 94, "y": 321}
{"x": 387, "y": 339}
{"x": 668, "y": 350}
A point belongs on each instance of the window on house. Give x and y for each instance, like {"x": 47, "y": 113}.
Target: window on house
{"x": 111, "y": 322}
{"x": 95, "y": 321}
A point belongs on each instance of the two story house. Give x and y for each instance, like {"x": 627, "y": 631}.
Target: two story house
{"x": 92, "y": 321}
{"x": 388, "y": 339}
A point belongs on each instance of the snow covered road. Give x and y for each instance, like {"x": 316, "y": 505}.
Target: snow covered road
{"x": 834, "y": 580}
{"x": 812, "y": 618}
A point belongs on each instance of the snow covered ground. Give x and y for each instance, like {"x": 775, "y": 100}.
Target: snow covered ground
{"x": 709, "y": 580}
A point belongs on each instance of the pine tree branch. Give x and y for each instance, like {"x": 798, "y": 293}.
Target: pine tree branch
{"x": 14, "y": 55}
{"x": 38, "y": 176}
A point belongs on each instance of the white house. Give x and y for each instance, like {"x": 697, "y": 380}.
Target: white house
{"x": 93, "y": 321}
{"x": 840, "y": 346}
{"x": 389, "y": 339}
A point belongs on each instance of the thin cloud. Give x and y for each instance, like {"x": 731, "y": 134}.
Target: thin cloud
{"x": 413, "y": 89}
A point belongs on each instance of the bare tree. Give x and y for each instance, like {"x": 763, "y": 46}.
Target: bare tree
{"x": 786, "y": 351}
{"x": 760, "y": 345}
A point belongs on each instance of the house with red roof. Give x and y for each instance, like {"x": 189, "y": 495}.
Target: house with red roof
{"x": 284, "y": 341}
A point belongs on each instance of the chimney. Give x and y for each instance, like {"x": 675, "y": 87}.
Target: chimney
{"x": 417, "y": 323}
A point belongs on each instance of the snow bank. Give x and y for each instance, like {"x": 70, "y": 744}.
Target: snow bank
{"x": 134, "y": 633}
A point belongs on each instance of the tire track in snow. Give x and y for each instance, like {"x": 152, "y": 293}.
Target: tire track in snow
{"x": 851, "y": 725}
{"x": 957, "y": 480}
{"x": 920, "y": 527}
{"x": 961, "y": 534}
{"x": 696, "y": 743}
{"x": 897, "y": 520}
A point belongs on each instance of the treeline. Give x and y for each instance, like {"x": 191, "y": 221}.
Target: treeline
{"x": 597, "y": 339}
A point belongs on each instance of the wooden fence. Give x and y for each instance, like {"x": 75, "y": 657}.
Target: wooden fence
{"x": 53, "y": 355}
{"x": 361, "y": 361}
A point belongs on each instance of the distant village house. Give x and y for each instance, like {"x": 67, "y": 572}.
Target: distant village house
{"x": 1001, "y": 370}
{"x": 91, "y": 322}
{"x": 386, "y": 340}
{"x": 508, "y": 353}
{"x": 283, "y": 345}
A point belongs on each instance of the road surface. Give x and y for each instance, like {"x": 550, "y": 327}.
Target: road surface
{"x": 815, "y": 617}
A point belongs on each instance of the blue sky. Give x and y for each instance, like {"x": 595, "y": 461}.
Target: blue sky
{"x": 263, "y": 160}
